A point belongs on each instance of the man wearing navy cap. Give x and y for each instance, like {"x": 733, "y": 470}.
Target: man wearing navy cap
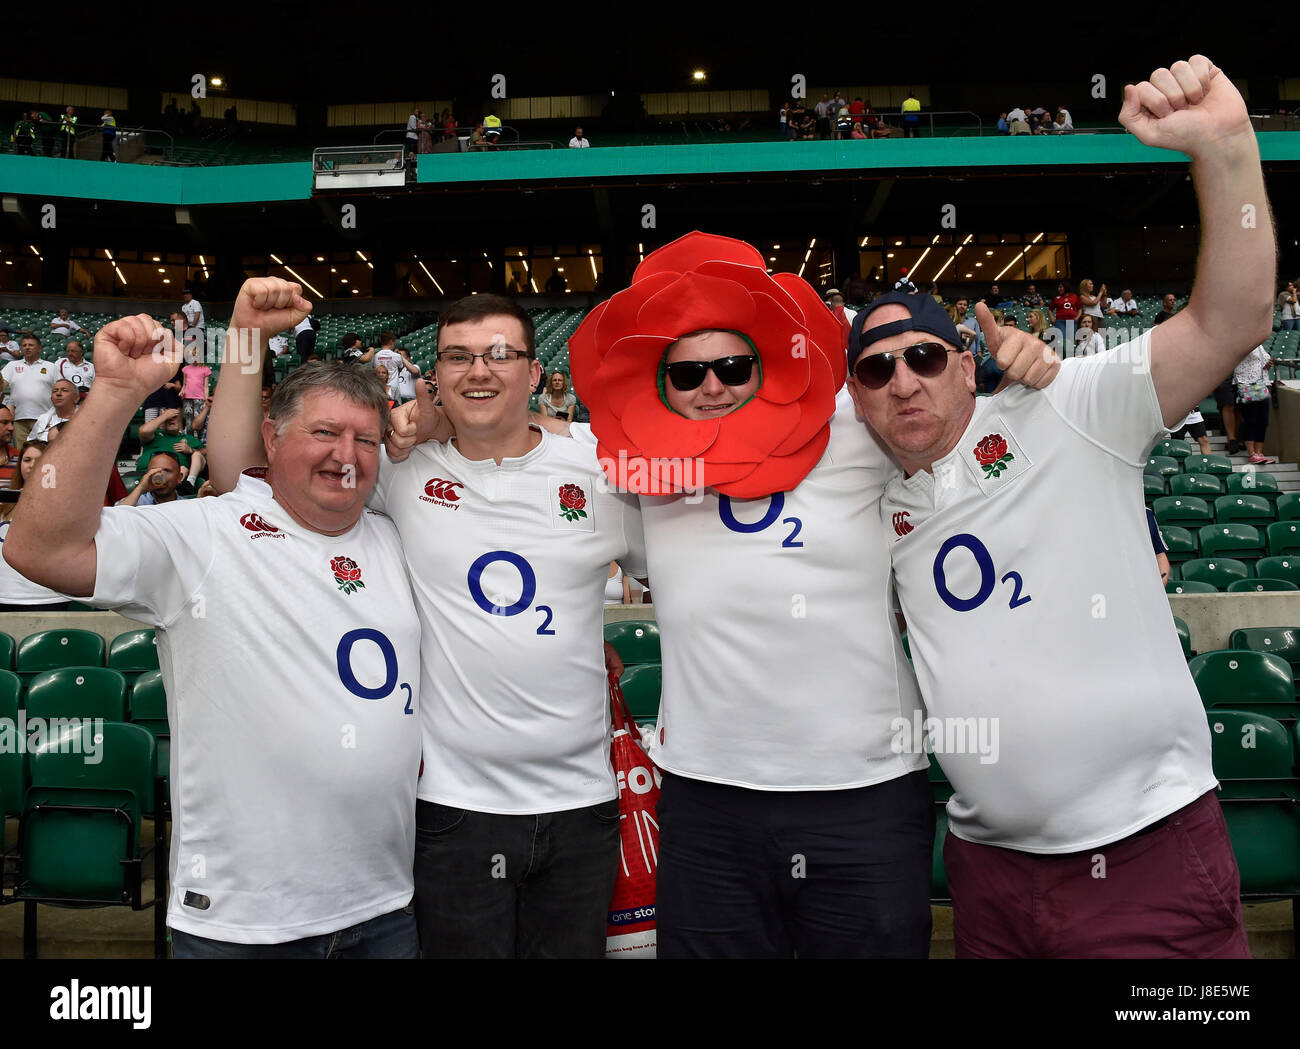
{"x": 1022, "y": 563}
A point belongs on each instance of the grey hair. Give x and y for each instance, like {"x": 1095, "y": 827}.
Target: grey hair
{"x": 357, "y": 383}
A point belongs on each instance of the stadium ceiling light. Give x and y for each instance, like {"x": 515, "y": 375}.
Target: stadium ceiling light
{"x": 978, "y": 264}
{"x": 898, "y": 243}
{"x": 988, "y": 253}
{"x": 344, "y": 280}
{"x": 9, "y": 262}
{"x": 945, "y": 266}
{"x": 432, "y": 278}
{"x": 864, "y": 242}
{"x": 217, "y": 81}
{"x": 698, "y": 75}
{"x": 889, "y": 255}
{"x": 320, "y": 258}
{"x": 167, "y": 280}
{"x": 202, "y": 261}
{"x": 812, "y": 244}
{"x": 970, "y": 274}
{"x": 592, "y": 259}
{"x": 776, "y": 247}
{"x": 771, "y": 258}
{"x": 162, "y": 269}
{"x": 356, "y": 291}
{"x": 157, "y": 258}
{"x": 334, "y": 269}
{"x": 912, "y": 272}
{"x": 301, "y": 279}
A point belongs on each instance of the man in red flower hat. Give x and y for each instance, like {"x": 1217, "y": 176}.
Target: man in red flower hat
{"x": 1034, "y": 614}
{"x": 791, "y": 821}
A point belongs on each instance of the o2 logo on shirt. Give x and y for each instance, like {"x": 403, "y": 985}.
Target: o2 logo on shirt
{"x": 988, "y": 574}
{"x": 343, "y": 659}
{"x": 527, "y": 589}
{"x": 776, "y": 504}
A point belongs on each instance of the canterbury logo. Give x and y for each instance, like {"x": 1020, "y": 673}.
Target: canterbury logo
{"x": 254, "y": 523}
{"x": 444, "y": 490}
{"x": 901, "y": 523}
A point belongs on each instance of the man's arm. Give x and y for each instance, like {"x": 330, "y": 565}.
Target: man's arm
{"x": 52, "y": 538}
{"x": 264, "y": 306}
{"x": 1194, "y": 108}
{"x": 366, "y": 357}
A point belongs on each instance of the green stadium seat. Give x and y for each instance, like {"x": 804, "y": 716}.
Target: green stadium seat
{"x": 1163, "y": 466}
{"x": 1241, "y": 541}
{"x": 635, "y": 640}
{"x": 642, "y": 684}
{"x": 1182, "y": 510}
{"x": 1253, "y": 761}
{"x": 1288, "y": 506}
{"x": 1153, "y": 486}
{"x": 1180, "y": 543}
{"x": 13, "y": 758}
{"x": 1252, "y": 510}
{"x": 133, "y": 652}
{"x": 1252, "y": 482}
{"x": 1181, "y": 586}
{"x": 1258, "y": 585}
{"x": 49, "y": 649}
{"x": 1287, "y": 568}
{"x": 1284, "y": 538}
{"x": 1174, "y": 448}
{"x": 1205, "y": 485}
{"x": 1184, "y": 636}
{"x": 7, "y": 649}
{"x": 149, "y": 711}
{"x": 77, "y": 692}
{"x": 1260, "y": 682}
{"x": 1218, "y": 572}
{"x": 1208, "y": 464}
{"x": 79, "y": 838}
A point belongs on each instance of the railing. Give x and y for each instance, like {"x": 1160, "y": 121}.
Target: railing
{"x": 440, "y": 135}
{"x": 355, "y": 160}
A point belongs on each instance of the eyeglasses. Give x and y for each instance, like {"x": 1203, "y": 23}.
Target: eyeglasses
{"x": 926, "y": 359}
{"x": 731, "y": 371}
{"x": 497, "y": 358}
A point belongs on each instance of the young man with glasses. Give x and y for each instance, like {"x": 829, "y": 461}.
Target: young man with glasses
{"x": 790, "y": 822}
{"x": 508, "y": 533}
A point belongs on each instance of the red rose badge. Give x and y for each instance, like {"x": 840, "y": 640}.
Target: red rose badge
{"x": 704, "y": 281}
{"x": 991, "y": 453}
{"x": 572, "y": 501}
{"x": 347, "y": 574}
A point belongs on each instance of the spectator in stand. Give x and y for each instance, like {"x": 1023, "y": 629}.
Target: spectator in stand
{"x": 1020, "y": 127}
{"x": 491, "y": 130}
{"x": 75, "y": 368}
{"x": 401, "y": 380}
{"x": 413, "y": 123}
{"x": 159, "y": 482}
{"x": 823, "y": 109}
{"x": 904, "y": 283}
{"x": 166, "y": 398}
{"x": 858, "y": 111}
{"x": 557, "y": 402}
{"x": 1193, "y": 428}
{"x": 24, "y": 134}
{"x": 68, "y": 132}
{"x": 1065, "y": 311}
{"x": 1124, "y": 306}
{"x": 1031, "y": 297}
{"x": 195, "y": 385}
{"x": 857, "y": 131}
{"x": 166, "y": 434}
{"x": 1170, "y": 304}
{"x": 477, "y": 138}
{"x": 1092, "y": 303}
{"x": 996, "y": 300}
{"x": 385, "y": 354}
{"x": 425, "y": 128}
{"x": 9, "y": 350}
{"x": 448, "y": 124}
{"x": 1064, "y": 122}
{"x": 1004, "y": 128}
{"x": 843, "y": 122}
{"x": 64, "y": 403}
{"x": 578, "y": 141}
{"x": 8, "y": 450}
{"x": 556, "y": 284}
{"x": 1253, "y": 392}
{"x": 17, "y": 594}
{"x": 1086, "y": 340}
{"x": 1038, "y": 325}
{"x": 1290, "y": 307}
{"x": 195, "y": 322}
{"x": 27, "y": 383}
{"x": 911, "y": 110}
{"x": 834, "y": 298}
{"x": 108, "y": 130}
{"x": 783, "y": 116}
{"x": 385, "y": 378}
{"x": 304, "y": 338}
{"x": 65, "y": 325}
{"x": 1016, "y": 114}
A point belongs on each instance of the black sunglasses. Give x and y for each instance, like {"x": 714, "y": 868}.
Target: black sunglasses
{"x": 731, "y": 371}
{"x": 926, "y": 359}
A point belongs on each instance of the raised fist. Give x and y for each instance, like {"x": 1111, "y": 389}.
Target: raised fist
{"x": 268, "y": 305}
{"x": 1192, "y": 107}
{"x": 135, "y": 356}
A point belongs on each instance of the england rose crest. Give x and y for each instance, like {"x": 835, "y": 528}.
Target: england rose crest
{"x": 347, "y": 574}
{"x": 572, "y": 501}
{"x": 991, "y": 453}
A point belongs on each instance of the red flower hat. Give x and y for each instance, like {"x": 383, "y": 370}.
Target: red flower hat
{"x": 706, "y": 281}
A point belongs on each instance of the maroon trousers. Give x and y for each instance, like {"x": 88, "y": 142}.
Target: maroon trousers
{"x": 1171, "y": 890}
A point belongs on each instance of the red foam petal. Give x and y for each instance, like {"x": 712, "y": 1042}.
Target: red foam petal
{"x": 749, "y": 434}
{"x": 779, "y": 473}
{"x": 584, "y": 355}
{"x": 784, "y": 348}
{"x": 694, "y": 302}
{"x": 826, "y": 333}
{"x": 816, "y": 408}
{"x": 654, "y": 427}
{"x": 756, "y": 281}
{"x": 688, "y": 252}
{"x": 630, "y": 367}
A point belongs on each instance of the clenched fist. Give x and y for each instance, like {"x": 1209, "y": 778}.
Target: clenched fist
{"x": 135, "y": 356}
{"x": 1191, "y": 107}
{"x": 268, "y": 305}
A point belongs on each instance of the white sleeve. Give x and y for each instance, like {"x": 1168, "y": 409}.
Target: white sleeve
{"x": 581, "y": 432}
{"x": 634, "y": 561}
{"x": 151, "y": 560}
{"x": 1111, "y": 399}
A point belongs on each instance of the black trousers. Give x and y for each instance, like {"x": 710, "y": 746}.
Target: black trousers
{"x": 776, "y": 874}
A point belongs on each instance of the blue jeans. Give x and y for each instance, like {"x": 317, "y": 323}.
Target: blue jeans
{"x": 778, "y": 874}
{"x": 1290, "y": 324}
{"x": 390, "y": 935}
{"x": 492, "y": 886}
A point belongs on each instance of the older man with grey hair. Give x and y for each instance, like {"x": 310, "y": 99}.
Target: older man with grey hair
{"x": 295, "y": 750}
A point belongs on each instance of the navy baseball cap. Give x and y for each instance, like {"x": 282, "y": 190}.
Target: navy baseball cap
{"x": 927, "y": 316}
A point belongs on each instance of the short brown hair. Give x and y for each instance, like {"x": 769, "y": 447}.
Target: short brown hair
{"x": 477, "y": 307}
{"x": 361, "y": 385}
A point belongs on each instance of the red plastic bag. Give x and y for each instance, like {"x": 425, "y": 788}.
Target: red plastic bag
{"x": 630, "y": 932}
